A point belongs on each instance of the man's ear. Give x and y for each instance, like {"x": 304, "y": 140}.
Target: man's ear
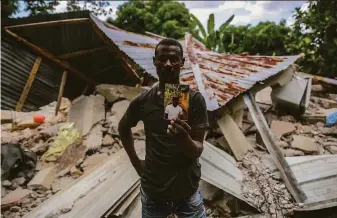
{"x": 182, "y": 62}
{"x": 154, "y": 60}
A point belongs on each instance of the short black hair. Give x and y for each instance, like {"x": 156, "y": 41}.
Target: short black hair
{"x": 169, "y": 41}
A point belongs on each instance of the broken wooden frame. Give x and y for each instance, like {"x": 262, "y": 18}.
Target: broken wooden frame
{"x": 267, "y": 137}
{"x": 50, "y": 23}
{"x": 28, "y": 85}
{"x": 62, "y": 63}
{"x": 60, "y": 95}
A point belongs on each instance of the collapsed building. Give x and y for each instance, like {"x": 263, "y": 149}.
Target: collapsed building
{"x": 85, "y": 67}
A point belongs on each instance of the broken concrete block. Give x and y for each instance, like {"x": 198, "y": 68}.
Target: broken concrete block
{"x": 52, "y": 130}
{"x": 292, "y": 152}
{"x": 93, "y": 140}
{"x": 304, "y": 144}
{"x": 306, "y": 129}
{"x": 6, "y": 116}
{"x": 75, "y": 172}
{"x": 280, "y": 128}
{"x": 325, "y": 103}
{"x": 119, "y": 108}
{"x": 327, "y": 116}
{"x": 328, "y": 131}
{"x": 43, "y": 179}
{"x": 6, "y": 183}
{"x": 92, "y": 161}
{"x": 15, "y": 197}
{"x": 108, "y": 140}
{"x": 282, "y": 144}
{"x": 114, "y": 92}
{"x": 333, "y": 97}
{"x": 332, "y": 149}
{"x": 208, "y": 191}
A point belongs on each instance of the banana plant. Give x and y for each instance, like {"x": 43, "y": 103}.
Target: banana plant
{"x": 212, "y": 38}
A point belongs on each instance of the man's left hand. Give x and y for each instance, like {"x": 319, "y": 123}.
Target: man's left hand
{"x": 179, "y": 129}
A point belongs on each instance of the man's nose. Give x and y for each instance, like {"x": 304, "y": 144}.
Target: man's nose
{"x": 168, "y": 63}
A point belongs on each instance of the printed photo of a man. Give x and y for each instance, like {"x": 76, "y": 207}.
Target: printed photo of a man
{"x": 173, "y": 110}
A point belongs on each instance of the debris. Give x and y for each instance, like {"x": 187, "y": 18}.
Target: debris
{"x": 293, "y": 97}
{"x": 15, "y": 209}
{"x": 119, "y": 108}
{"x": 329, "y": 131}
{"x": 292, "y": 152}
{"x": 209, "y": 191}
{"x": 333, "y": 97}
{"x": 108, "y": 140}
{"x": 281, "y": 128}
{"x": 263, "y": 96}
{"x": 93, "y": 140}
{"x": 325, "y": 103}
{"x": 70, "y": 157}
{"x": 6, "y": 184}
{"x": 86, "y": 111}
{"x": 114, "y": 92}
{"x": 15, "y": 162}
{"x": 317, "y": 88}
{"x": 43, "y": 179}
{"x": 66, "y": 136}
{"x": 304, "y": 144}
{"x": 327, "y": 116}
{"x": 234, "y": 136}
{"x": 15, "y": 197}
{"x": 92, "y": 161}
{"x": 6, "y": 116}
{"x": 75, "y": 172}
{"x": 51, "y": 130}
{"x": 332, "y": 149}
{"x": 282, "y": 144}
{"x": 41, "y": 146}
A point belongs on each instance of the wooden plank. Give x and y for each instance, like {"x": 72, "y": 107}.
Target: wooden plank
{"x": 114, "y": 48}
{"x": 49, "y": 23}
{"x": 268, "y": 139}
{"x": 28, "y": 85}
{"x": 234, "y": 136}
{"x": 60, "y": 95}
{"x": 62, "y": 63}
{"x": 82, "y": 52}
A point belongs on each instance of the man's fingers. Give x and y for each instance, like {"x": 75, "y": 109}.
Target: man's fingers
{"x": 179, "y": 128}
{"x": 183, "y": 124}
{"x": 171, "y": 130}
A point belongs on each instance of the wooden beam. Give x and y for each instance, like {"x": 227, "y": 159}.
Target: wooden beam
{"x": 60, "y": 95}
{"x": 82, "y": 52}
{"x": 62, "y": 63}
{"x": 112, "y": 47}
{"x": 28, "y": 85}
{"x": 268, "y": 139}
{"x": 49, "y": 23}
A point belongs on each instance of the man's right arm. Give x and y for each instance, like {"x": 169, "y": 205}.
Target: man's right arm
{"x": 129, "y": 120}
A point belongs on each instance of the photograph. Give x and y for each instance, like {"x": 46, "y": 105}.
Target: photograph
{"x": 176, "y": 101}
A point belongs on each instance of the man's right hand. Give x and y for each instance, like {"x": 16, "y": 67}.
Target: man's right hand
{"x": 139, "y": 165}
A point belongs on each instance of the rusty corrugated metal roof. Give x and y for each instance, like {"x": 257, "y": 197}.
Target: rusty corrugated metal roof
{"x": 222, "y": 76}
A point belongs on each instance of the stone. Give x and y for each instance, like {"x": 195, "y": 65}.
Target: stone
{"x": 332, "y": 97}
{"x": 43, "y": 179}
{"x": 291, "y": 152}
{"x": 19, "y": 181}
{"x": 15, "y": 197}
{"x": 52, "y": 130}
{"x": 93, "y": 140}
{"x": 306, "y": 129}
{"x": 320, "y": 124}
{"x": 280, "y": 128}
{"x": 6, "y": 183}
{"x": 92, "y": 161}
{"x": 282, "y": 144}
{"x": 108, "y": 140}
{"x": 328, "y": 144}
{"x": 304, "y": 144}
{"x": 25, "y": 202}
{"x": 15, "y": 209}
{"x": 332, "y": 149}
{"x": 40, "y": 147}
{"x": 329, "y": 131}
{"x": 75, "y": 172}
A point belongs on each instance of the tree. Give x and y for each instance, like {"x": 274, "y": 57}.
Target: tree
{"x": 213, "y": 38}
{"x": 9, "y": 7}
{"x": 96, "y": 7}
{"x": 315, "y": 34}
{"x": 266, "y": 38}
{"x": 166, "y": 18}
{"x": 40, "y": 7}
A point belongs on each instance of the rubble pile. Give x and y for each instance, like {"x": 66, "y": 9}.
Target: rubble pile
{"x": 62, "y": 153}
{"x": 41, "y": 159}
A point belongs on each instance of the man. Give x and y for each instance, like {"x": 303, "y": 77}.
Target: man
{"x": 171, "y": 172}
{"x": 173, "y": 110}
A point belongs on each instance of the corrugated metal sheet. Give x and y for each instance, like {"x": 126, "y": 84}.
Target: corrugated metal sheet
{"x": 16, "y": 64}
{"x": 219, "y": 169}
{"x": 317, "y": 176}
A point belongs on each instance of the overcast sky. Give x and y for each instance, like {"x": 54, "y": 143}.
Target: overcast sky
{"x": 246, "y": 12}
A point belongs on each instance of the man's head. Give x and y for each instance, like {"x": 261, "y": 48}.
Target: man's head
{"x": 168, "y": 60}
{"x": 175, "y": 101}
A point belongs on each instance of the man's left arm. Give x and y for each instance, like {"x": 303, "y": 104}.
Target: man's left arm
{"x": 191, "y": 136}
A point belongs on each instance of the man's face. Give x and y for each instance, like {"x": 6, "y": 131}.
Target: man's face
{"x": 168, "y": 62}
{"x": 175, "y": 102}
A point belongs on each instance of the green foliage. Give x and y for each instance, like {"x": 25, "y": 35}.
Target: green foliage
{"x": 266, "y": 38}
{"x": 213, "y": 38}
{"x": 9, "y": 7}
{"x": 315, "y": 34}
{"x": 166, "y": 18}
{"x": 40, "y": 7}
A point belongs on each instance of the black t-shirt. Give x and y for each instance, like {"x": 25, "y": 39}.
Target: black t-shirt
{"x": 169, "y": 174}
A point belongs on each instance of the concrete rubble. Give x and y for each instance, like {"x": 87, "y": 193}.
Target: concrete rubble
{"x": 264, "y": 193}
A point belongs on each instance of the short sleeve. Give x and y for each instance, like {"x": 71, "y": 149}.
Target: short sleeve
{"x": 133, "y": 114}
{"x": 167, "y": 109}
{"x": 198, "y": 111}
